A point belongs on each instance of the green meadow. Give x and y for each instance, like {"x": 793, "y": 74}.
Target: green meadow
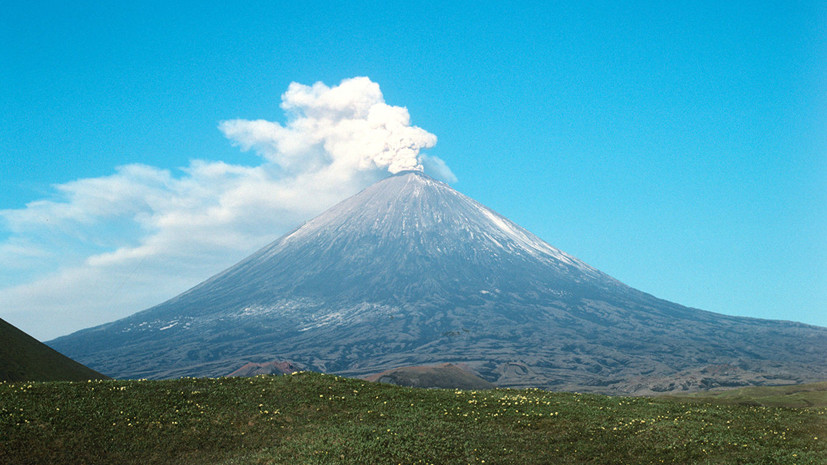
{"x": 796, "y": 395}
{"x": 310, "y": 418}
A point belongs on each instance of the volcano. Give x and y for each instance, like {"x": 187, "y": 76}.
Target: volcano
{"x": 411, "y": 272}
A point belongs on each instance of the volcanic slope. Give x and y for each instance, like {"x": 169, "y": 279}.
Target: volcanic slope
{"x": 411, "y": 272}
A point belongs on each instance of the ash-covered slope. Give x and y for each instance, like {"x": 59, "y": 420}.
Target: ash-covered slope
{"x": 411, "y": 272}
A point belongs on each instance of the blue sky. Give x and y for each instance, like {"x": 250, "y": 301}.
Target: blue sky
{"x": 681, "y": 148}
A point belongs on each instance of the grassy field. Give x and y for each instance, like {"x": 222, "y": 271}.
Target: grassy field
{"x": 798, "y": 395}
{"x": 313, "y": 418}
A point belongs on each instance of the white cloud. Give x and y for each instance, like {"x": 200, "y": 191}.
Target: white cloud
{"x": 106, "y": 247}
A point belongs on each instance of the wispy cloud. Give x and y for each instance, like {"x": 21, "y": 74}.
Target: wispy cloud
{"x": 103, "y": 248}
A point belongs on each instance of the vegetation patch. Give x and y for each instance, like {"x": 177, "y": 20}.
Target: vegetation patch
{"x": 795, "y": 395}
{"x": 310, "y": 418}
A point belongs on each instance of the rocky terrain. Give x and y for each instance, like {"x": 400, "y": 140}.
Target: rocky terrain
{"x": 444, "y": 376}
{"x": 267, "y": 368}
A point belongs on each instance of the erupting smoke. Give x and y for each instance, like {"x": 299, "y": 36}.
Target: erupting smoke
{"x": 345, "y": 128}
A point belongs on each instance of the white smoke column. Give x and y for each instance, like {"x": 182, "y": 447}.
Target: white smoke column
{"x": 343, "y": 129}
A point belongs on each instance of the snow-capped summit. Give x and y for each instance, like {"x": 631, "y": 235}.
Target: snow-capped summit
{"x": 407, "y": 237}
{"x": 411, "y": 272}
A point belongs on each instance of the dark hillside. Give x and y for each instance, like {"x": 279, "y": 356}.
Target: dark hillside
{"x": 24, "y": 358}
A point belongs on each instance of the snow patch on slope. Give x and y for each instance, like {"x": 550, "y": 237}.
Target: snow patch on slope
{"x": 530, "y": 243}
{"x": 349, "y": 316}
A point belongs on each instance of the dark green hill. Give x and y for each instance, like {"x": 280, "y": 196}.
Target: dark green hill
{"x": 24, "y": 358}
